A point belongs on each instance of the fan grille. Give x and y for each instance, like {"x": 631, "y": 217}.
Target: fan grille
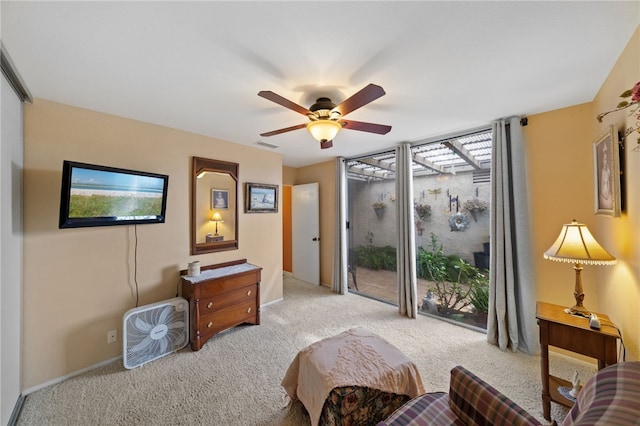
{"x": 154, "y": 331}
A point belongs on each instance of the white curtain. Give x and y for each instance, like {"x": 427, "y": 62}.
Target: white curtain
{"x": 340, "y": 265}
{"x": 407, "y": 282}
{"x": 511, "y": 322}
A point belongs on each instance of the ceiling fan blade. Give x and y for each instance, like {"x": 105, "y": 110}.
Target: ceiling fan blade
{"x": 273, "y": 97}
{"x": 380, "y": 129}
{"x": 326, "y": 144}
{"x": 363, "y": 97}
{"x": 286, "y": 129}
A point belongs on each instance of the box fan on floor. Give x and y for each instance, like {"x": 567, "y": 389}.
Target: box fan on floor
{"x": 155, "y": 330}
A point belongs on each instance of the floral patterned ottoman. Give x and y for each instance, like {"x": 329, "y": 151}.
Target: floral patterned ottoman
{"x": 354, "y": 405}
{"x": 355, "y": 377}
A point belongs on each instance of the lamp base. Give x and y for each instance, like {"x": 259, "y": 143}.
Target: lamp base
{"x": 578, "y": 294}
{"x": 579, "y": 310}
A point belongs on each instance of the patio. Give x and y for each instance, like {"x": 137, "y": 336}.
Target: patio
{"x": 381, "y": 285}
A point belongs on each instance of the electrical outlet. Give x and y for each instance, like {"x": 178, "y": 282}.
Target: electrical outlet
{"x": 112, "y": 336}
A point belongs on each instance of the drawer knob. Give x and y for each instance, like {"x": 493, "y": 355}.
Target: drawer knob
{"x": 210, "y": 324}
{"x": 249, "y": 310}
{"x": 209, "y": 305}
{"x": 249, "y": 293}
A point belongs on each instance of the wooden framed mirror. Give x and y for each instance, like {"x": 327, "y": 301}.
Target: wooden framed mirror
{"x": 214, "y": 206}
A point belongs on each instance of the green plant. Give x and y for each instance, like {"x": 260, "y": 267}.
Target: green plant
{"x": 376, "y": 258}
{"x": 479, "y": 296}
{"x": 453, "y": 278}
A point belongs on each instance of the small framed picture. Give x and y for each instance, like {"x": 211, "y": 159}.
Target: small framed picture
{"x": 261, "y": 198}
{"x": 606, "y": 174}
{"x": 219, "y": 199}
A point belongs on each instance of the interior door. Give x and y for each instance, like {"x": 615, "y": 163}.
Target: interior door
{"x": 305, "y": 219}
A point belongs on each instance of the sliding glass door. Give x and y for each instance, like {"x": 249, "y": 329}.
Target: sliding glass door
{"x": 372, "y": 226}
{"x": 452, "y": 193}
{"x": 451, "y": 199}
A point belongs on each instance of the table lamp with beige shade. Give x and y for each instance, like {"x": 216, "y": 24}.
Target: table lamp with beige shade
{"x": 217, "y": 217}
{"x": 576, "y": 245}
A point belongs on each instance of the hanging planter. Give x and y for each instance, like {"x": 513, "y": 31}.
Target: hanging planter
{"x": 423, "y": 211}
{"x": 379, "y": 208}
{"x": 475, "y": 207}
{"x": 458, "y": 222}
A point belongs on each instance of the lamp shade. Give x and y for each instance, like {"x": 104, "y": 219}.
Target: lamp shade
{"x": 324, "y": 130}
{"x": 575, "y": 244}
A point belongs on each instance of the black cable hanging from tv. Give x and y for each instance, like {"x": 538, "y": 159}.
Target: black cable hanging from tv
{"x": 135, "y": 261}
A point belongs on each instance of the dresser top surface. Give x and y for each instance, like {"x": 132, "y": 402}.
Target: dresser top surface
{"x": 226, "y": 271}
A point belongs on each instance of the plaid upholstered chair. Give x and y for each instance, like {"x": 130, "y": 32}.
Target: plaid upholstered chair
{"x": 610, "y": 397}
{"x": 470, "y": 401}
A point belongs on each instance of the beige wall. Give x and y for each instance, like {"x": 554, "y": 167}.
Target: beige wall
{"x": 324, "y": 174}
{"x": 560, "y": 148}
{"x": 289, "y": 175}
{"x": 618, "y": 287}
{"x": 560, "y": 174}
{"x": 79, "y": 282}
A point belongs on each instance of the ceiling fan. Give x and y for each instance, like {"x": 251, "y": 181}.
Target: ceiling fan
{"x": 326, "y": 118}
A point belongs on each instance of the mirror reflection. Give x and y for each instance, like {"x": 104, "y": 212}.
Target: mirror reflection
{"x": 214, "y": 206}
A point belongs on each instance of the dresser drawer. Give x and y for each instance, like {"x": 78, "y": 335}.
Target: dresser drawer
{"x": 226, "y": 318}
{"x": 230, "y": 298}
{"x": 214, "y": 287}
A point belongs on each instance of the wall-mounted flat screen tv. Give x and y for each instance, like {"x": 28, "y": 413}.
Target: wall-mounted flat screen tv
{"x": 95, "y": 195}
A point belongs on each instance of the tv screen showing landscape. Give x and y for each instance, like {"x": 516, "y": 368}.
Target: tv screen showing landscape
{"x": 94, "y": 195}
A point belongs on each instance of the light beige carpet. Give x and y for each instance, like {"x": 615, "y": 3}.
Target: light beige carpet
{"x": 235, "y": 378}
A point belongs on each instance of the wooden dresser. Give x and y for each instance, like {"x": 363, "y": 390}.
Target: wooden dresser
{"x": 221, "y": 297}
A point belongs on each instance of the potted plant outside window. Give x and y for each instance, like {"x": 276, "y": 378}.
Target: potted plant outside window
{"x": 379, "y": 208}
{"x": 475, "y": 207}
{"x": 423, "y": 211}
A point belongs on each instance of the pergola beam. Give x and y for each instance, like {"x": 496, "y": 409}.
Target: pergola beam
{"x": 367, "y": 173}
{"x": 379, "y": 164}
{"x": 428, "y": 164}
{"x": 463, "y": 153}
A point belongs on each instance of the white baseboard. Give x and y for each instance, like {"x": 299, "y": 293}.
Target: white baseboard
{"x": 109, "y": 361}
{"x": 271, "y": 303}
{"x": 15, "y": 414}
{"x": 70, "y": 375}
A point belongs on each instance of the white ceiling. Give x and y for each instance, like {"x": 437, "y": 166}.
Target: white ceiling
{"x": 198, "y": 66}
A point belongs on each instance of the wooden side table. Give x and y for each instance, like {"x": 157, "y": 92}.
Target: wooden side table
{"x": 572, "y": 333}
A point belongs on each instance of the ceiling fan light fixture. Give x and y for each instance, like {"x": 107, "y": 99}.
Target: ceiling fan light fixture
{"x": 326, "y": 117}
{"x": 324, "y": 130}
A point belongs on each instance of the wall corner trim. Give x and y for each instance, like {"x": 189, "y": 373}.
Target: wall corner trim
{"x": 12, "y": 76}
